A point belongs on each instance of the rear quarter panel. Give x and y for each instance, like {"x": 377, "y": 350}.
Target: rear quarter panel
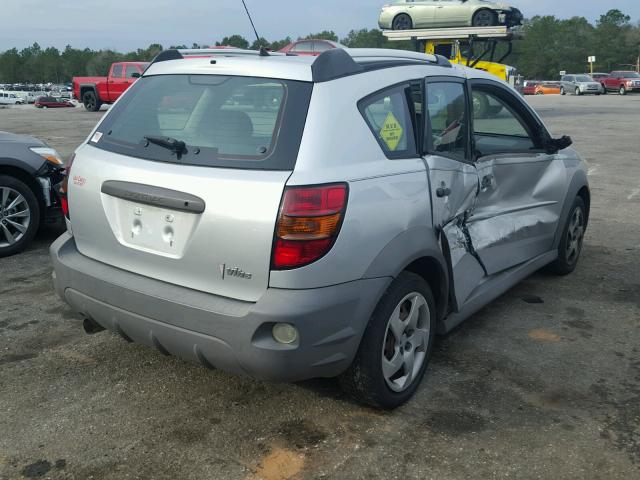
{"x": 387, "y": 198}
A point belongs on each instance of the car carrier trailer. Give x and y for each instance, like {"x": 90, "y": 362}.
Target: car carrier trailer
{"x": 475, "y": 47}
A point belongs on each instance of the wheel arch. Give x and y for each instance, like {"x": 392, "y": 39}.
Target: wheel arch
{"x": 86, "y": 87}
{"x": 579, "y": 186}
{"x": 416, "y": 250}
{"x": 402, "y": 12}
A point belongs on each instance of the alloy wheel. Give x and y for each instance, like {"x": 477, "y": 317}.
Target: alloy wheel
{"x": 402, "y": 22}
{"x": 575, "y": 235}
{"x": 406, "y": 342}
{"x": 15, "y": 216}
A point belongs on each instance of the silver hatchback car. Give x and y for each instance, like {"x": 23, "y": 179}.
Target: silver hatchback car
{"x": 296, "y": 217}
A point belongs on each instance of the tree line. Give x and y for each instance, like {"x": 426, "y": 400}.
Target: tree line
{"x": 548, "y": 46}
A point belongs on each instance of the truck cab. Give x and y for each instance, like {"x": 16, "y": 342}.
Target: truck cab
{"x": 93, "y": 92}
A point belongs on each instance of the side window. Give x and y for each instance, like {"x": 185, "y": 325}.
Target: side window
{"x": 303, "y": 47}
{"x": 447, "y": 123}
{"x": 321, "y": 46}
{"x": 391, "y": 120}
{"x": 117, "y": 71}
{"x": 498, "y": 123}
{"x": 131, "y": 69}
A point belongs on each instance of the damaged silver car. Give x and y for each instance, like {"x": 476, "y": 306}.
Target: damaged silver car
{"x": 302, "y": 217}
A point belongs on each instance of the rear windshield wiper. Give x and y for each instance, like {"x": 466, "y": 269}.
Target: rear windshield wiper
{"x": 175, "y": 145}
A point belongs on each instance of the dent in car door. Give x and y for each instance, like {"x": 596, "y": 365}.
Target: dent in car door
{"x": 453, "y": 179}
{"x": 521, "y": 188}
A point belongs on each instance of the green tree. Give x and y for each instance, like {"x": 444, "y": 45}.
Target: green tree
{"x": 234, "y": 41}
{"x": 324, "y": 35}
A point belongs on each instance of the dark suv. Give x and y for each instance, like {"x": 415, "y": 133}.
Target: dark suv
{"x": 29, "y": 174}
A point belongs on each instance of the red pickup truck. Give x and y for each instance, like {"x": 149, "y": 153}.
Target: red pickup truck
{"x": 94, "y": 91}
{"x": 622, "y": 82}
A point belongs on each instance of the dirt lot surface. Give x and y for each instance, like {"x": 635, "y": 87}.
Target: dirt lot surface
{"x": 542, "y": 390}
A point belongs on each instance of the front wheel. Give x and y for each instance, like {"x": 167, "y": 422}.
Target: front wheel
{"x": 484, "y": 18}
{"x": 623, "y": 90}
{"x": 562, "y": 92}
{"x": 396, "y": 346}
{"x": 19, "y": 215}
{"x": 570, "y": 246}
{"x": 578, "y": 92}
{"x": 402, "y": 22}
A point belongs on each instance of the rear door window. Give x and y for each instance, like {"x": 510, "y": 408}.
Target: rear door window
{"x": 303, "y": 47}
{"x": 391, "y": 119}
{"x": 241, "y": 122}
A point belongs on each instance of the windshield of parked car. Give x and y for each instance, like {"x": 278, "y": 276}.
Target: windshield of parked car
{"x": 221, "y": 119}
{"x": 584, "y": 78}
{"x": 630, "y": 75}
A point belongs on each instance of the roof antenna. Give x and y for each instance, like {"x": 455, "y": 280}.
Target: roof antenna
{"x": 263, "y": 51}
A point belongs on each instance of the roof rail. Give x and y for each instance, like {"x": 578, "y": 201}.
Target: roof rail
{"x": 178, "y": 54}
{"x": 337, "y": 63}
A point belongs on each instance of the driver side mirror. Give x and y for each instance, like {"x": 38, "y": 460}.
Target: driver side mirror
{"x": 554, "y": 145}
{"x": 135, "y": 75}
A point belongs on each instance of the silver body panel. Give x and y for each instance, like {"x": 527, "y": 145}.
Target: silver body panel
{"x": 485, "y": 234}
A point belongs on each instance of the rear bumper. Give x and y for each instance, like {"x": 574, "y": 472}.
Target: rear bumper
{"x": 219, "y": 332}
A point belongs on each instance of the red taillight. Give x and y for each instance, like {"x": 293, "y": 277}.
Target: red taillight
{"x": 308, "y": 225}
{"x": 64, "y": 187}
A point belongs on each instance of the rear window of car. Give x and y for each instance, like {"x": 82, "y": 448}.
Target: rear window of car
{"x": 225, "y": 121}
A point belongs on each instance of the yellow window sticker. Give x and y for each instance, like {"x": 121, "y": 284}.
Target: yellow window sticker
{"x": 391, "y": 132}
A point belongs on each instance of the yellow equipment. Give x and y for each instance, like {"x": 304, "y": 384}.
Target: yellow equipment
{"x": 459, "y": 45}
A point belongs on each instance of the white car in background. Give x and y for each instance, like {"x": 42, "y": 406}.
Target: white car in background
{"x": 410, "y": 14}
{"x": 10, "y": 98}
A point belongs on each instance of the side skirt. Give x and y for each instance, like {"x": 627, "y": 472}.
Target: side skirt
{"x": 493, "y": 287}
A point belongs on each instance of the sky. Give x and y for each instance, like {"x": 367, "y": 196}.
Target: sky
{"x": 125, "y": 25}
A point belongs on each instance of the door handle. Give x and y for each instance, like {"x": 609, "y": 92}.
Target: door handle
{"x": 443, "y": 191}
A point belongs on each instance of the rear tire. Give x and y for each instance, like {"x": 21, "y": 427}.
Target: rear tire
{"x": 562, "y": 92}
{"x": 90, "y": 101}
{"x": 19, "y": 223}
{"x": 396, "y": 346}
{"x": 573, "y": 233}
{"x": 484, "y": 18}
{"x": 402, "y": 22}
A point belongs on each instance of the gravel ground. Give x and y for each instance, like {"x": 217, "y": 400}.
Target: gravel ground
{"x": 521, "y": 390}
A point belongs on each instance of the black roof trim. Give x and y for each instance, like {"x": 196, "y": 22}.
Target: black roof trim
{"x": 443, "y": 62}
{"x": 333, "y": 64}
{"x": 167, "y": 55}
